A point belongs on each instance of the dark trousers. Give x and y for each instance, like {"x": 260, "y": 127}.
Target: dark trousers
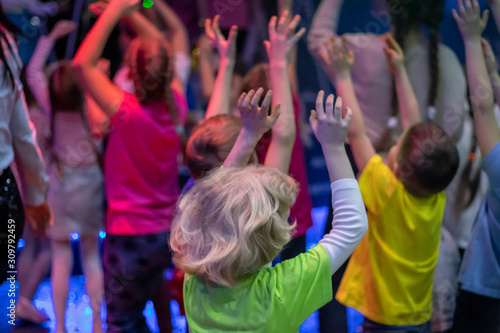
{"x": 373, "y": 327}
{"x": 476, "y": 313}
{"x": 133, "y": 275}
{"x": 11, "y": 224}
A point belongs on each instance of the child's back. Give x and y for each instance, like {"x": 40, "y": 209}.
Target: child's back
{"x": 141, "y": 168}
{"x": 390, "y": 274}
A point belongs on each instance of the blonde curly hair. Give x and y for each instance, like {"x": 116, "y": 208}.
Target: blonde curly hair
{"x": 232, "y": 223}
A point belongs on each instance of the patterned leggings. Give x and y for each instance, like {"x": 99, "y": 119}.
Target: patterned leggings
{"x": 133, "y": 275}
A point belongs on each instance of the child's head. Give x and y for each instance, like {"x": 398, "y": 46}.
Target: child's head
{"x": 425, "y": 159}
{"x": 232, "y": 223}
{"x": 66, "y": 94}
{"x": 210, "y": 144}
{"x": 150, "y": 68}
{"x": 257, "y": 77}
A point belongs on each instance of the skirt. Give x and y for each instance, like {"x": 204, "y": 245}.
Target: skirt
{"x": 76, "y": 198}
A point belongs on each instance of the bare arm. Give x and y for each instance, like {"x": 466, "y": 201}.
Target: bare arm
{"x": 207, "y": 75}
{"x": 256, "y": 122}
{"x": 408, "y": 105}
{"x": 491, "y": 67}
{"x": 339, "y": 60}
{"x": 324, "y": 25}
{"x": 107, "y": 96}
{"x": 471, "y": 26}
{"x": 279, "y": 50}
{"x": 219, "y": 102}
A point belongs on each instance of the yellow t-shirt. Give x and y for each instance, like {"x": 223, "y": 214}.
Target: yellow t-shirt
{"x": 389, "y": 277}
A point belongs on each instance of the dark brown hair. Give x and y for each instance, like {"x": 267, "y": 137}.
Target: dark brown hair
{"x": 428, "y": 159}
{"x": 210, "y": 144}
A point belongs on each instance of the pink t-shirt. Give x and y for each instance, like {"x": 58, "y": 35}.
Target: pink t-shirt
{"x": 141, "y": 168}
{"x": 301, "y": 210}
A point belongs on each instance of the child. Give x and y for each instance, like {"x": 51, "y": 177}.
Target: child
{"x": 76, "y": 192}
{"x": 140, "y": 167}
{"x": 389, "y": 277}
{"x": 478, "y": 301}
{"x": 232, "y": 223}
{"x": 17, "y": 140}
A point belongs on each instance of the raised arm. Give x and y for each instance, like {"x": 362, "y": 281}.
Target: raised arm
{"x": 471, "y": 26}
{"x": 107, "y": 96}
{"x": 219, "y": 102}
{"x": 349, "y": 223}
{"x": 338, "y": 60}
{"x": 492, "y": 68}
{"x": 178, "y": 35}
{"x": 35, "y": 72}
{"x": 324, "y": 25}
{"x": 207, "y": 73}
{"x": 282, "y": 41}
{"x": 256, "y": 122}
{"x": 408, "y": 105}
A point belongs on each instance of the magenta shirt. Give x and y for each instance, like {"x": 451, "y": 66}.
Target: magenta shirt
{"x": 301, "y": 210}
{"x": 140, "y": 171}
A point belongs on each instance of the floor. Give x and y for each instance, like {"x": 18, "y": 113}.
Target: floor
{"x": 78, "y": 311}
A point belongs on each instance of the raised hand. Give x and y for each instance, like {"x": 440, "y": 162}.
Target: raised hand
{"x": 126, "y": 7}
{"x": 98, "y": 7}
{"x": 225, "y": 48}
{"x": 470, "y": 22}
{"x": 489, "y": 57}
{"x": 39, "y": 218}
{"x": 282, "y": 37}
{"x": 62, "y": 28}
{"x": 394, "y": 54}
{"x": 256, "y": 120}
{"x": 104, "y": 66}
{"x": 337, "y": 59}
{"x": 329, "y": 126}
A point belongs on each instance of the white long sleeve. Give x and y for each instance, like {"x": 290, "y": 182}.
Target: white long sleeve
{"x": 349, "y": 224}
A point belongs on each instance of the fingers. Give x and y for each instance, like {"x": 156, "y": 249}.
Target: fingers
{"x": 313, "y": 119}
{"x": 281, "y": 23}
{"x": 293, "y": 25}
{"x": 468, "y": 5}
{"x": 324, "y": 58}
{"x": 320, "y": 111}
{"x": 337, "y": 112}
{"x": 457, "y": 17}
{"x": 275, "y": 114}
{"x": 476, "y": 8}
{"x": 391, "y": 43}
{"x": 484, "y": 19}
{"x": 272, "y": 26}
{"x": 240, "y": 100}
{"x": 256, "y": 98}
{"x": 297, "y": 36}
{"x": 208, "y": 28}
{"x": 216, "y": 29}
{"x": 233, "y": 33}
{"x": 348, "y": 116}
{"x": 461, "y": 8}
{"x": 245, "y": 105}
{"x": 264, "y": 108}
{"x": 329, "y": 106}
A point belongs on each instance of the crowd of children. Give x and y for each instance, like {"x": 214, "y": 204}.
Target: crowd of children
{"x": 413, "y": 242}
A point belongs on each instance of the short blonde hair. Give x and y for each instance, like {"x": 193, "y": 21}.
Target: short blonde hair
{"x": 232, "y": 223}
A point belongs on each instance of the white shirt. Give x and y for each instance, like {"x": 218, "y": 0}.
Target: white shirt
{"x": 17, "y": 133}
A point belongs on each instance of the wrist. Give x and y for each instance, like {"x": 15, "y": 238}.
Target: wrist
{"x": 343, "y": 76}
{"x": 472, "y": 39}
{"x": 278, "y": 63}
{"x": 227, "y": 63}
{"x": 251, "y": 137}
{"x": 333, "y": 148}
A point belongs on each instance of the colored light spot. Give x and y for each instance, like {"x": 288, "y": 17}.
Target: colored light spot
{"x": 147, "y": 3}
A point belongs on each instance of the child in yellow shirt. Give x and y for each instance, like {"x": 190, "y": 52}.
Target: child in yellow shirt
{"x": 389, "y": 277}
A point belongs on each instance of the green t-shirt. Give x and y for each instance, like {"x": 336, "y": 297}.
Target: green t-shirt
{"x": 276, "y": 299}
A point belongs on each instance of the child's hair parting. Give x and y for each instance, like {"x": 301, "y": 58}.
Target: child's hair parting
{"x": 428, "y": 159}
{"x": 210, "y": 143}
{"x": 232, "y": 223}
{"x": 151, "y": 69}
